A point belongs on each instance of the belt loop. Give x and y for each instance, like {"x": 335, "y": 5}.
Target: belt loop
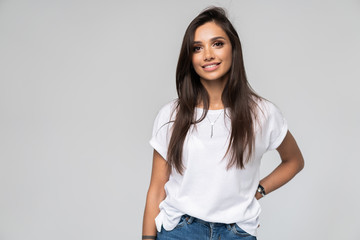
{"x": 230, "y": 226}
{"x": 191, "y": 219}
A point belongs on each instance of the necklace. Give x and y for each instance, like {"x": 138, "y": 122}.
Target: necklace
{"x": 213, "y": 123}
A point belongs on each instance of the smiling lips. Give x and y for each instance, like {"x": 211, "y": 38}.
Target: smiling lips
{"x": 211, "y": 66}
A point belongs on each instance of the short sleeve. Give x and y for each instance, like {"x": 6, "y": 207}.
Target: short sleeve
{"x": 161, "y": 130}
{"x": 275, "y": 126}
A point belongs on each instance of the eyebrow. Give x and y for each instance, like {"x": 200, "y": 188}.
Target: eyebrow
{"x": 212, "y": 39}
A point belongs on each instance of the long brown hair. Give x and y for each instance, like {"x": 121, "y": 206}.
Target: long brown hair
{"x": 237, "y": 96}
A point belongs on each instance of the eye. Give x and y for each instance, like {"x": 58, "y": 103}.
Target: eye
{"x": 218, "y": 44}
{"x": 196, "y": 49}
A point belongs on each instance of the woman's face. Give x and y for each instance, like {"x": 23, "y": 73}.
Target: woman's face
{"x": 212, "y": 53}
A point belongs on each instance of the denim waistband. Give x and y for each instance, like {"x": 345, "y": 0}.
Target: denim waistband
{"x": 191, "y": 219}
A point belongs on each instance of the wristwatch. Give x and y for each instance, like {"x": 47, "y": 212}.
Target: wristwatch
{"x": 261, "y": 190}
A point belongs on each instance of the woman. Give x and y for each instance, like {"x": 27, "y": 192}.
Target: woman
{"x": 208, "y": 143}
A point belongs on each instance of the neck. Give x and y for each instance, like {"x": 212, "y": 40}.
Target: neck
{"x": 215, "y": 89}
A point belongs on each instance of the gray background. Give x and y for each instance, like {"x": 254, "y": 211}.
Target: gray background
{"x": 81, "y": 83}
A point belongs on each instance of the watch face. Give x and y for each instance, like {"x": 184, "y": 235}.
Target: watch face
{"x": 260, "y": 190}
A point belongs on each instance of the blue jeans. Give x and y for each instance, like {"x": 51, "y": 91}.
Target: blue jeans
{"x": 190, "y": 228}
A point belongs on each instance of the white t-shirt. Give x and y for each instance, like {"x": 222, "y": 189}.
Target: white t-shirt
{"x": 206, "y": 190}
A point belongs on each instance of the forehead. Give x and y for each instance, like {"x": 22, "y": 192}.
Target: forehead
{"x": 208, "y": 31}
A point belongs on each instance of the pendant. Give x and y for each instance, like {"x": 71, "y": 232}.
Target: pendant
{"x": 213, "y": 123}
{"x": 212, "y": 130}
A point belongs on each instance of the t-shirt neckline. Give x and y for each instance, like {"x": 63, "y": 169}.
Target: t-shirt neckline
{"x": 211, "y": 111}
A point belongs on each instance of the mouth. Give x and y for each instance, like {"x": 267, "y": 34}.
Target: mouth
{"x": 211, "y": 66}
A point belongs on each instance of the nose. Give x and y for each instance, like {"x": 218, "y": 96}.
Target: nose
{"x": 208, "y": 54}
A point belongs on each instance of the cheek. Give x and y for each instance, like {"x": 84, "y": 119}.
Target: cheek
{"x": 196, "y": 63}
{"x": 225, "y": 54}
{"x": 228, "y": 57}
{"x": 195, "y": 60}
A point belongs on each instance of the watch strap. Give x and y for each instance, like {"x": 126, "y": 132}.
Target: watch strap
{"x": 261, "y": 190}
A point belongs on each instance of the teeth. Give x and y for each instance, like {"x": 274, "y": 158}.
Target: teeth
{"x": 210, "y": 66}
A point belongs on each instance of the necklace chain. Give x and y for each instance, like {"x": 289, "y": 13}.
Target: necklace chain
{"x": 213, "y": 123}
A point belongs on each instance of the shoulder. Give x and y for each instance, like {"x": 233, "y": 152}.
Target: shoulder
{"x": 273, "y": 124}
{"x": 266, "y": 108}
{"x": 269, "y": 117}
{"x": 166, "y": 114}
{"x": 168, "y": 110}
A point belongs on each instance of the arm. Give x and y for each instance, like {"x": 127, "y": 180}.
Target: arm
{"x": 292, "y": 162}
{"x": 155, "y": 194}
